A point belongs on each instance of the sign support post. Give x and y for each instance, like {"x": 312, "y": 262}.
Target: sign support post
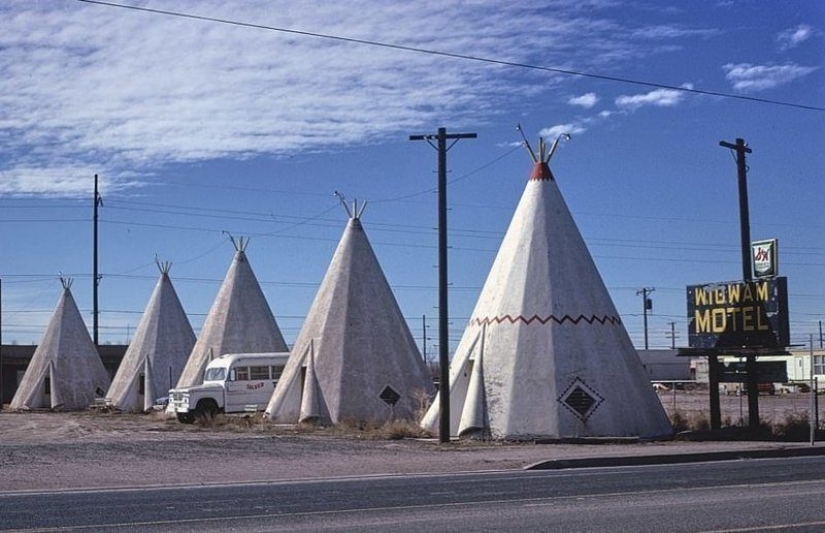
{"x": 813, "y": 410}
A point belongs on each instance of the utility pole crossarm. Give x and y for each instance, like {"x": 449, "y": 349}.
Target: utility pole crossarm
{"x": 740, "y": 144}
{"x": 449, "y": 136}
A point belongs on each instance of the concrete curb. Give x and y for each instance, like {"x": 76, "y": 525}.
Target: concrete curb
{"x": 676, "y": 458}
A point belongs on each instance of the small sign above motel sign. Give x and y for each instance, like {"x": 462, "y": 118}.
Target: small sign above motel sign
{"x": 739, "y": 314}
{"x": 765, "y": 258}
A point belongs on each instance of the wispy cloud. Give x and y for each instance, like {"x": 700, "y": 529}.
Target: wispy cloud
{"x": 553, "y": 132}
{"x": 656, "y": 98}
{"x": 586, "y": 100}
{"x": 87, "y": 88}
{"x": 793, "y": 37}
{"x": 747, "y": 77}
{"x": 62, "y": 181}
{"x": 670, "y": 31}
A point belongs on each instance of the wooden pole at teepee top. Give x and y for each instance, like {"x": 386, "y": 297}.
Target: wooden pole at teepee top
{"x": 163, "y": 266}
{"x": 240, "y": 243}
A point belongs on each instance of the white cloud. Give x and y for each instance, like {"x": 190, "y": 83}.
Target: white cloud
{"x": 61, "y": 181}
{"x": 657, "y": 98}
{"x": 142, "y": 91}
{"x": 747, "y": 77}
{"x": 586, "y": 100}
{"x": 671, "y": 32}
{"x": 553, "y": 132}
{"x": 145, "y": 90}
{"x": 793, "y": 37}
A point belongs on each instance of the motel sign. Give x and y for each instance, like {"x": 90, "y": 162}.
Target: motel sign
{"x": 739, "y": 314}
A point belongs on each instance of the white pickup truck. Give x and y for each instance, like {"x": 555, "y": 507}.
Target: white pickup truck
{"x": 232, "y": 383}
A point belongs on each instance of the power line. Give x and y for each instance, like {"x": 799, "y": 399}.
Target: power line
{"x": 424, "y": 230}
{"x": 455, "y": 180}
{"x": 170, "y": 183}
{"x": 37, "y": 220}
{"x": 404, "y": 48}
{"x": 55, "y": 206}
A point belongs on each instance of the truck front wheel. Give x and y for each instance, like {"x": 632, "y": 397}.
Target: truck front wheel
{"x": 206, "y": 410}
{"x": 186, "y": 418}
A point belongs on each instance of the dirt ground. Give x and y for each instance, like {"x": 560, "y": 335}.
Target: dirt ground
{"x": 52, "y": 451}
{"x": 81, "y": 449}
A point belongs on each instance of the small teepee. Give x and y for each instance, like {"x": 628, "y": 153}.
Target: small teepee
{"x": 155, "y": 358}
{"x": 65, "y": 371}
{"x": 240, "y": 320}
{"x": 545, "y": 353}
{"x": 355, "y": 358}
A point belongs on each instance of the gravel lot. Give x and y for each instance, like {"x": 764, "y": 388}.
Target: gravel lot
{"x": 83, "y": 449}
{"x": 46, "y": 451}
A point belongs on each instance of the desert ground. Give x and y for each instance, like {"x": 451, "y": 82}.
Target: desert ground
{"x": 53, "y": 451}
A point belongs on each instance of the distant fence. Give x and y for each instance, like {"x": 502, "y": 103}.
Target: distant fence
{"x": 778, "y": 403}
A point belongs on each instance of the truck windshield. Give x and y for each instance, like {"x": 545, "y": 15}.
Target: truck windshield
{"x": 215, "y": 374}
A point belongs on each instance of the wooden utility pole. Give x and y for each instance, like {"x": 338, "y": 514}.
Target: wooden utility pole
{"x": 744, "y": 215}
{"x": 747, "y": 270}
{"x": 441, "y": 139}
{"x": 95, "y": 275}
{"x": 647, "y": 305}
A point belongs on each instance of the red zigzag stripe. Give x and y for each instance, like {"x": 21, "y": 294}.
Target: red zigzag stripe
{"x": 535, "y": 318}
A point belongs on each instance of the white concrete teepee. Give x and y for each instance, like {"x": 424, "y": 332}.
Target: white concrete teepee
{"x": 65, "y": 371}
{"x": 155, "y": 358}
{"x": 240, "y": 321}
{"x": 545, "y": 353}
{"x": 355, "y": 358}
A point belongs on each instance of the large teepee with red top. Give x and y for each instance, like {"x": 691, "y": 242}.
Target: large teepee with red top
{"x": 545, "y": 353}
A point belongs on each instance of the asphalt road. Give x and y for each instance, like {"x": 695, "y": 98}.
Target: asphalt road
{"x": 744, "y": 495}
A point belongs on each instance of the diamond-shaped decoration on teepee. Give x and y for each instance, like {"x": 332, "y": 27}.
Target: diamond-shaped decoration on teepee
{"x": 389, "y": 396}
{"x": 581, "y": 399}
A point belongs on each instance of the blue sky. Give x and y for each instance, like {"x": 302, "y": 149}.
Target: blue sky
{"x": 200, "y": 130}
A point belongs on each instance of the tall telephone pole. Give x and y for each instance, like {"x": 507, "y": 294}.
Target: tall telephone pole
{"x": 95, "y": 276}
{"x": 744, "y": 214}
{"x": 747, "y": 271}
{"x": 647, "y": 305}
{"x": 440, "y": 145}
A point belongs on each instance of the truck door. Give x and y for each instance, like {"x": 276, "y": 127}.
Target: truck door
{"x": 235, "y": 389}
